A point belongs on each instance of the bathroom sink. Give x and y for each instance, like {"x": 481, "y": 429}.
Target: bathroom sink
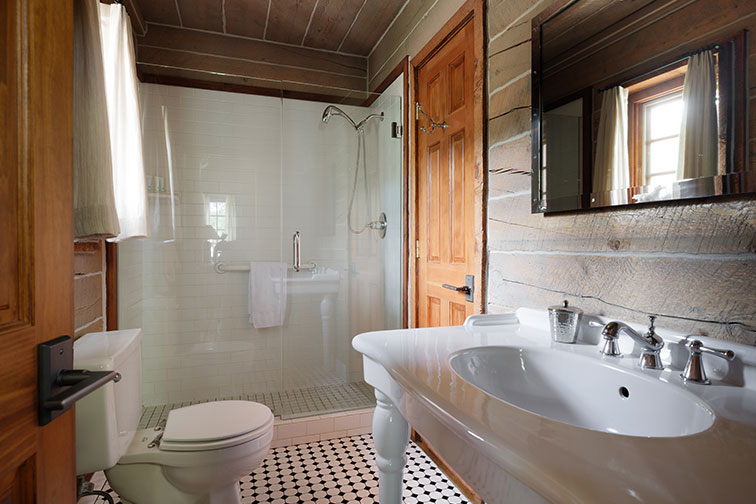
{"x": 319, "y": 280}
{"x": 582, "y": 391}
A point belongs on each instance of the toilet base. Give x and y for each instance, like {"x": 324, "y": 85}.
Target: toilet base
{"x": 154, "y": 488}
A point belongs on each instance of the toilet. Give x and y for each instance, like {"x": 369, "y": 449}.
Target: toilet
{"x": 196, "y": 457}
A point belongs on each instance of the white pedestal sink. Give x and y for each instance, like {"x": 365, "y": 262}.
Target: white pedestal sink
{"x": 326, "y": 283}
{"x": 523, "y": 419}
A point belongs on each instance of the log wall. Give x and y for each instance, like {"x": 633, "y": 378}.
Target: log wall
{"x": 691, "y": 263}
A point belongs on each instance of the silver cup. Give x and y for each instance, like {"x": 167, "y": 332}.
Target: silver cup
{"x": 564, "y": 322}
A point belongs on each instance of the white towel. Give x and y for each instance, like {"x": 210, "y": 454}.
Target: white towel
{"x": 267, "y": 294}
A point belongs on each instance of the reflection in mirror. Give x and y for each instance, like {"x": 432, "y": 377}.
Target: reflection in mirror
{"x": 561, "y": 141}
{"x": 637, "y": 102}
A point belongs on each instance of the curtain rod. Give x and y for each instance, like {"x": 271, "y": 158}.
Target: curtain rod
{"x": 678, "y": 60}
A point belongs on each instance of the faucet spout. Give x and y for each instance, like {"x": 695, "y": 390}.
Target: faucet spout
{"x": 650, "y": 342}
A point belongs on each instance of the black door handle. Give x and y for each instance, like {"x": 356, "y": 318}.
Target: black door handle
{"x": 59, "y": 387}
{"x": 468, "y": 289}
{"x": 81, "y": 383}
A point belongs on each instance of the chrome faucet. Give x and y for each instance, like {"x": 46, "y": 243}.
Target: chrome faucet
{"x": 651, "y": 343}
{"x": 694, "y": 369}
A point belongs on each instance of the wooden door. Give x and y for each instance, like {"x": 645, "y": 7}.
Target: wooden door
{"x": 446, "y": 179}
{"x": 36, "y": 242}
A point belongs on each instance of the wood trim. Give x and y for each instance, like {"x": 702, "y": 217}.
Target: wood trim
{"x": 385, "y": 83}
{"x": 636, "y": 100}
{"x": 450, "y": 28}
{"x": 169, "y": 80}
{"x": 549, "y": 12}
{"x": 111, "y": 286}
{"x": 409, "y": 246}
{"x": 468, "y": 492}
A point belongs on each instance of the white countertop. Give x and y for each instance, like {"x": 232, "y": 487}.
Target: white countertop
{"x": 487, "y": 440}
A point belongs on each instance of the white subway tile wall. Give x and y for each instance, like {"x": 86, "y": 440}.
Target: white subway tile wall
{"x": 231, "y": 177}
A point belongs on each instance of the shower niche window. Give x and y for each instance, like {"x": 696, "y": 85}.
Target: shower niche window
{"x": 284, "y": 166}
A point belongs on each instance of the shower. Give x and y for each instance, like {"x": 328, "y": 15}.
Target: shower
{"x": 380, "y": 224}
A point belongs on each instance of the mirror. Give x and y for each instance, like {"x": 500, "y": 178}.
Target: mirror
{"x": 636, "y": 101}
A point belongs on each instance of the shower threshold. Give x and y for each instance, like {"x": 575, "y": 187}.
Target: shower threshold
{"x": 286, "y": 404}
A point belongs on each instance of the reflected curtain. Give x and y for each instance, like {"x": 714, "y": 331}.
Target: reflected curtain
{"x": 124, "y": 118}
{"x": 699, "y": 150}
{"x": 94, "y": 203}
{"x": 611, "y": 169}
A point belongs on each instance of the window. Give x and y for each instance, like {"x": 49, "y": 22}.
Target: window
{"x": 655, "y": 109}
{"x": 661, "y": 139}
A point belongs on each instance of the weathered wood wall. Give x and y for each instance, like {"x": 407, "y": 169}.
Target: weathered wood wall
{"x": 691, "y": 263}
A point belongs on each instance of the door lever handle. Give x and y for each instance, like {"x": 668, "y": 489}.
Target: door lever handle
{"x": 468, "y": 289}
{"x": 59, "y": 386}
{"x": 461, "y": 288}
{"x": 81, "y": 383}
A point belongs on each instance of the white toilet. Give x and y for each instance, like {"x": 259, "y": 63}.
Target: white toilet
{"x": 196, "y": 458}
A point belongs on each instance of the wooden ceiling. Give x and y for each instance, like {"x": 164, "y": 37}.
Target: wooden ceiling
{"x": 306, "y": 43}
{"x": 345, "y": 26}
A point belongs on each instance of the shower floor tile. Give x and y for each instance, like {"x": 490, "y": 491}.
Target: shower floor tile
{"x": 286, "y": 404}
{"x": 339, "y": 471}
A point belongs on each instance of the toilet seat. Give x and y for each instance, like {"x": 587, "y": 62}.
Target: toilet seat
{"x": 215, "y": 425}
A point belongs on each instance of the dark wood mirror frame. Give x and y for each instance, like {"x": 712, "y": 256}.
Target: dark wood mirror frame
{"x": 736, "y": 180}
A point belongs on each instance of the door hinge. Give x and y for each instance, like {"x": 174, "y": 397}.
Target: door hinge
{"x": 417, "y": 249}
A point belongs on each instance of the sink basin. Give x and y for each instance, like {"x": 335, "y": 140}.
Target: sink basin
{"x": 582, "y": 391}
{"x": 318, "y": 281}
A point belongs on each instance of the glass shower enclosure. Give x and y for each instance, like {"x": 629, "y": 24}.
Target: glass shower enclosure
{"x": 232, "y": 179}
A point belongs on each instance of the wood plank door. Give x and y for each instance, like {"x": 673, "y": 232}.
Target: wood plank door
{"x": 36, "y": 242}
{"x": 446, "y": 180}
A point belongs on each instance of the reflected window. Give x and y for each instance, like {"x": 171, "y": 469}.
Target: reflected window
{"x": 655, "y": 115}
{"x": 216, "y": 214}
{"x": 220, "y": 222}
{"x": 661, "y": 138}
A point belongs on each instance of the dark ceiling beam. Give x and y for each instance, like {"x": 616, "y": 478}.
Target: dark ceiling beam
{"x": 202, "y": 55}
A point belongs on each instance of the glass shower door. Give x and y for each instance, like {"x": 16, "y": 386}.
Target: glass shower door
{"x": 340, "y": 289}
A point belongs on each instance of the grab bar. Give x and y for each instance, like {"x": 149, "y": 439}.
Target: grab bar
{"x": 297, "y": 260}
{"x": 224, "y": 267}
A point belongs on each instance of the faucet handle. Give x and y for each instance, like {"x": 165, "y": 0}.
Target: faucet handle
{"x": 694, "y": 369}
{"x": 654, "y": 341}
{"x": 651, "y": 319}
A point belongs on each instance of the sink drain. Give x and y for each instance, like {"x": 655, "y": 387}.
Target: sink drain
{"x": 624, "y": 393}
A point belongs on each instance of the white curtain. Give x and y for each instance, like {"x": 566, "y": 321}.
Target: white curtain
{"x": 699, "y": 149}
{"x": 124, "y": 118}
{"x": 94, "y": 206}
{"x": 611, "y": 169}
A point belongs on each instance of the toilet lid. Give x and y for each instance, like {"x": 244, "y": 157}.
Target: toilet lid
{"x": 205, "y": 423}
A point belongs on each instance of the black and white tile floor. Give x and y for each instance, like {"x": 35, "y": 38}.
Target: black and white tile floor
{"x": 340, "y": 471}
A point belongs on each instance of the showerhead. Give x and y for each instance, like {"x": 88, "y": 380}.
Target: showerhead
{"x": 331, "y": 110}
{"x": 327, "y": 113}
{"x": 334, "y": 110}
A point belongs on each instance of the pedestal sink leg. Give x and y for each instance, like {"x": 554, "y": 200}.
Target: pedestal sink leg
{"x": 326, "y": 311}
{"x": 391, "y": 435}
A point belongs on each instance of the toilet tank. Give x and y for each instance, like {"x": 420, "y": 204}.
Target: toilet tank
{"x": 107, "y": 419}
